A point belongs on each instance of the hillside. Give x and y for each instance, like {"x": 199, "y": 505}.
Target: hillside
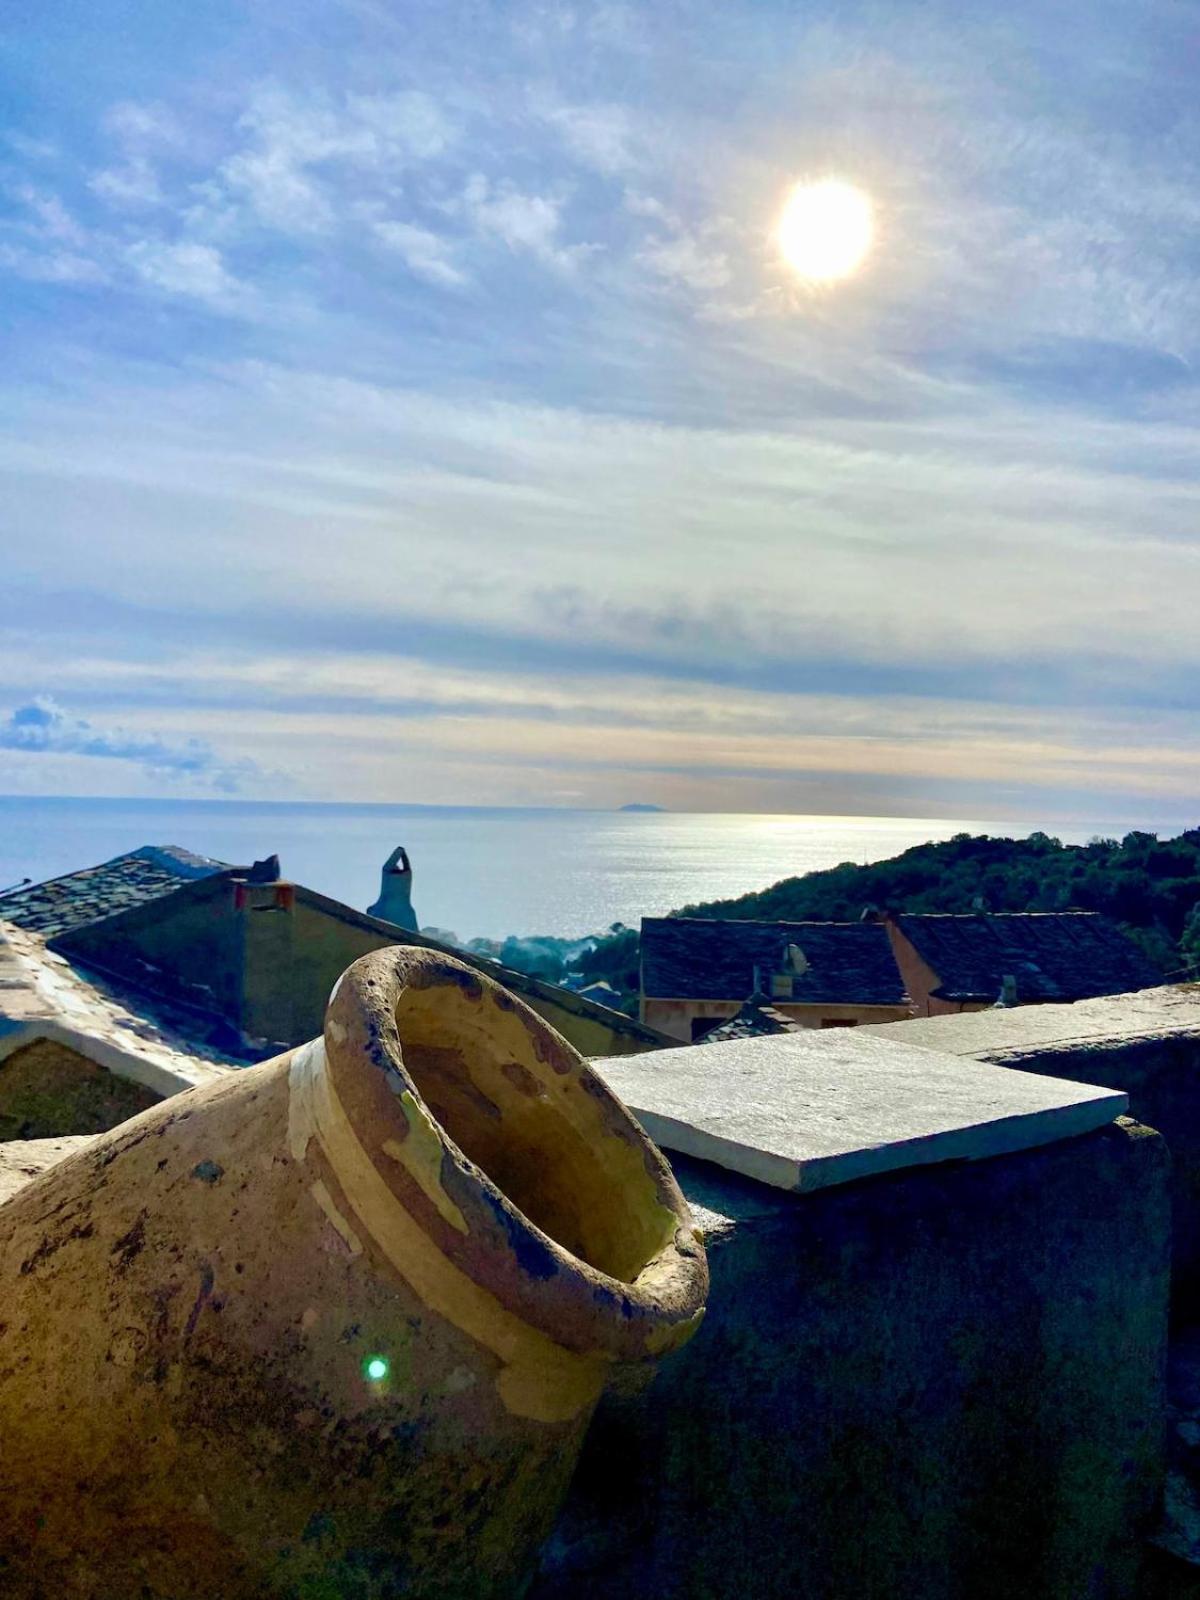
{"x": 1150, "y": 886}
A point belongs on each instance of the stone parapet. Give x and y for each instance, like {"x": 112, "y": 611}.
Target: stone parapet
{"x": 941, "y": 1382}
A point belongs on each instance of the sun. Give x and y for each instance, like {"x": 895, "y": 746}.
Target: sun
{"x": 825, "y": 230}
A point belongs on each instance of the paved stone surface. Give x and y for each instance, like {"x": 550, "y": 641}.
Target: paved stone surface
{"x": 803, "y": 1111}
{"x": 25, "y": 1159}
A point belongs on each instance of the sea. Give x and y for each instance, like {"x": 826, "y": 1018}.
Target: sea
{"x": 480, "y": 872}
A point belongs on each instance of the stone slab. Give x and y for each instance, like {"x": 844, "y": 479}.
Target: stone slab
{"x": 804, "y": 1111}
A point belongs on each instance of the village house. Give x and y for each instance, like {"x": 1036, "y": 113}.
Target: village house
{"x": 697, "y": 973}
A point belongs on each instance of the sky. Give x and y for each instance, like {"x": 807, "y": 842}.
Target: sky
{"x": 409, "y": 402}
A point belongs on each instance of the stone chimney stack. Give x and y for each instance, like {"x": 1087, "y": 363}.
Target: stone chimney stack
{"x": 395, "y": 892}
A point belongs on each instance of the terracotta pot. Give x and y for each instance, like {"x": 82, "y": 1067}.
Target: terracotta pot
{"x": 334, "y": 1326}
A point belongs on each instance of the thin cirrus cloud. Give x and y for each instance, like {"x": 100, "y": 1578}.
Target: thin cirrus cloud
{"x": 479, "y": 356}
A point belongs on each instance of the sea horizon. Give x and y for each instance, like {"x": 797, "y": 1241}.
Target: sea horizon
{"x": 489, "y": 871}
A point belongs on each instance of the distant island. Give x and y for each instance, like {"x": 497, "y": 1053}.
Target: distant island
{"x": 640, "y": 805}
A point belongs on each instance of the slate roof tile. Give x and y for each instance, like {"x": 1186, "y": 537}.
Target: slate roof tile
{"x": 696, "y": 958}
{"x": 755, "y": 1020}
{"x": 60, "y": 905}
{"x": 1053, "y": 955}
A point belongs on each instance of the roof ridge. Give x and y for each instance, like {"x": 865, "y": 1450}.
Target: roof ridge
{"x": 995, "y": 916}
{"x": 766, "y": 922}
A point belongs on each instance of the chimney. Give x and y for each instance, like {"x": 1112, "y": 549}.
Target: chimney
{"x": 265, "y": 871}
{"x": 1008, "y": 991}
{"x": 395, "y": 892}
{"x": 781, "y": 977}
{"x": 264, "y": 914}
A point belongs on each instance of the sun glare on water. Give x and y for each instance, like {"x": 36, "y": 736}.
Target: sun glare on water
{"x": 825, "y": 230}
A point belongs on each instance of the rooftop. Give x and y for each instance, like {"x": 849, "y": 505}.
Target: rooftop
{"x": 62, "y": 904}
{"x": 694, "y": 958}
{"x": 1058, "y": 955}
{"x": 151, "y": 937}
{"x": 756, "y": 1019}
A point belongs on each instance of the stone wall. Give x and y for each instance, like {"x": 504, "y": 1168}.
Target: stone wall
{"x": 1147, "y": 1044}
{"x": 942, "y": 1383}
{"x": 47, "y": 1089}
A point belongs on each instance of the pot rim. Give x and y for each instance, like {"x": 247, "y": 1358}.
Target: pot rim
{"x": 472, "y": 1222}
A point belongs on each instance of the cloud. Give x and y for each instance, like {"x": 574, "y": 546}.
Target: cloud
{"x": 47, "y": 244}
{"x": 138, "y": 125}
{"x": 133, "y": 183}
{"x": 143, "y": 132}
{"x": 392, "y": 718}
{"x": 527, "y": 223}
{"x": 296, "y": 144}
{"x": 280, "y": 191}
{"x": 605, "y": 138}
{"x": 58, "y": 266}
{"x": 51, "y": 218}
{"x": 648, "y": 205}
{"x": 685, "y": 260}
{"x": 813, "y": 537}
{"x": 408, "y": 126}
{"x": 42, "y": 727}
{"x": 194, "y": 271}
{"x": 427, "y": 255}
{"x": 28, "y": 148}
{"x": 971, "y": 469}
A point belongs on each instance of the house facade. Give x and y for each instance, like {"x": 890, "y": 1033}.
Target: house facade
{"x": 698, "y": 973}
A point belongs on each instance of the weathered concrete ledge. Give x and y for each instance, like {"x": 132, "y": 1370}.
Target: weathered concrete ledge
{"x": 808, "y": 1110}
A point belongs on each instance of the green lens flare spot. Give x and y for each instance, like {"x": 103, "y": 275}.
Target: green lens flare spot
{"x": 376, "y": 1368}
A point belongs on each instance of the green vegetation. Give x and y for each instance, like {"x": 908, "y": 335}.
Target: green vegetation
{"x": 1150, "y": 886}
